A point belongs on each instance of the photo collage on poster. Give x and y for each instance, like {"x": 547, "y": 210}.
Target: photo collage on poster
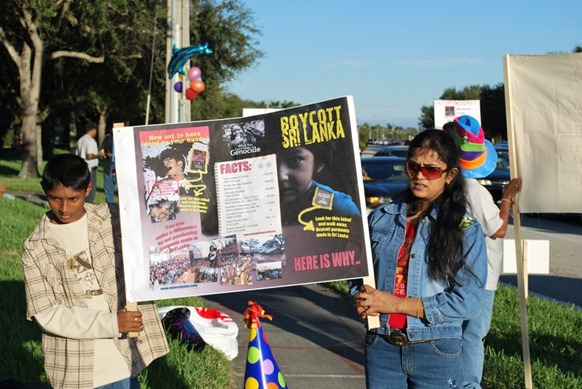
{"x": 244, "y": 203}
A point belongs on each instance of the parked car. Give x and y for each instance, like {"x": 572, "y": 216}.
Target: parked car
{"x": 392, "y": 151}
{"x": 499, "y": 178}
{"x": 384, "y": 179}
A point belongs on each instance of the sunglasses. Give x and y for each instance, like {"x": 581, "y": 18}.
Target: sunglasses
{"x": 428, "y": 172}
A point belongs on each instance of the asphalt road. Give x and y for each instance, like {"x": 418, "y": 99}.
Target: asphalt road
{"x": 315, "y": 335}
{"x": 564, "y": 232}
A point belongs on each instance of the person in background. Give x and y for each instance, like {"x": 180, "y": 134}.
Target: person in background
{"x": 478, "y": 159}
{"x": 88, "y": 150}
{"x": 430, "y": 265}
{"x": 108, "y": 168}
{"x": 75, "y": 290}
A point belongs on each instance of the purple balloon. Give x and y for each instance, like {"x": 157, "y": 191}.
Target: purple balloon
{"x": 194, "y": 73}
{"x": 178, "y": 87}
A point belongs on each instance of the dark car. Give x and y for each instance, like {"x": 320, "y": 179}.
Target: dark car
{"x": 499, "y": 178}
{"x": 384, "y": 179}
{"x": 392, "y": 151}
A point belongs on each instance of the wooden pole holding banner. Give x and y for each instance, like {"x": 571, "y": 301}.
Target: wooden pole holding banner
{"x": 525, "y": 265}
{"x": 521, "y": 270}
{"x": 130, "y": 305}
{"x": 373, "y": 321}
{"x": 521, "y": 286}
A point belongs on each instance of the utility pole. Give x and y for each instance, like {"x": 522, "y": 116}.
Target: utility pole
{"x": 177, "y": 106}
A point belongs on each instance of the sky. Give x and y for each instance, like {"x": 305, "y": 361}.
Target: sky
{"x": 395, "y": 56}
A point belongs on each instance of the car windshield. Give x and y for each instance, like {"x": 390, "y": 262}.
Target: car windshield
{"x": 387, "y": 171}
{"x": 398, "y": 151}
{"x": 502, "y": 160}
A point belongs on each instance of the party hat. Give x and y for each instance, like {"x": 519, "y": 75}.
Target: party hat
{"x": 262, "y": 371}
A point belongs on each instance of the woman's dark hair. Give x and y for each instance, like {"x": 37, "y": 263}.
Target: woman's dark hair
{"x": 67, "y": 170}
{"x": 445, "y": 247}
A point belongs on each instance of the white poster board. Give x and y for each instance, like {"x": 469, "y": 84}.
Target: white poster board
{"x": 447, "y": 110}
{"x": 536, "y": 253}
{"x": 207, "y": 207}
{"x": 544, "y": 119}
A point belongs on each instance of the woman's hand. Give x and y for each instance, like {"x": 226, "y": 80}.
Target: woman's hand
{"x": 372, "y": 302}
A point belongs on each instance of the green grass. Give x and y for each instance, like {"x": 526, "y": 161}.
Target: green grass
{"x": 10, "y": 167}
{"x": 21, "y": 355}
{"x": 554, "y": 330}
{"x": 555, "y": 341}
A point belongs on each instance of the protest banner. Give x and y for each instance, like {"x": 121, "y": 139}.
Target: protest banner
{"x": 542, "y": 97}
{"x": 447, "y": 110}
{"x": 236, "y": 204}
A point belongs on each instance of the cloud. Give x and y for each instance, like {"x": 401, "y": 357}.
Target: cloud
{"x": 347, "y": 63}
{"x": 431, "y": 63}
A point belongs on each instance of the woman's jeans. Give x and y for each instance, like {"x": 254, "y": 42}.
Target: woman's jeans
{"x": 434, "y": 364}
{"x": 474, "y": 331}
{"x": 128, "y": 383}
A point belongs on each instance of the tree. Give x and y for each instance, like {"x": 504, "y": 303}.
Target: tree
{"x": 97, "y": 55}
{"x": 493, "y": 117}
{"x": 34, "y": 32}
{"x": 8, "y": 93}
{"x": 228, "y": 28}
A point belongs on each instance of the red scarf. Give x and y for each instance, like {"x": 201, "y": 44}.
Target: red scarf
{"x": 398, "y": 320}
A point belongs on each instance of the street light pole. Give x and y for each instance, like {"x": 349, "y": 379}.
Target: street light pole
{"x": 177, "y": 106}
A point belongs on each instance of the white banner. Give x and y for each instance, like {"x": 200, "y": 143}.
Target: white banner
{"x": 543, "y": 95}
{"x": 447, "y": 110}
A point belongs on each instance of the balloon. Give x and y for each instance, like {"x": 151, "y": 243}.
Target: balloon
{"x": 180, "y": 57}
{"x": 197, "y": 86}
{"x": 178, "y": 87}
{"x": 190, "y": 94}
{"x": 194, "y": 73}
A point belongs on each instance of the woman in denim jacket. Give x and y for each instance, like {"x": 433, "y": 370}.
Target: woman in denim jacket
{"x": 430, "y": 264}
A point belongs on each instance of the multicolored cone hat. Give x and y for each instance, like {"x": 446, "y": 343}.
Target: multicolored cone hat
{"x": 262, "y": 372}
{"x": 478, "y": 157}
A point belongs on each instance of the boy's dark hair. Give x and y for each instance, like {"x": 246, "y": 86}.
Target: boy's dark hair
{"x": 67, "y": 170}
{"x": 89, "y": 126}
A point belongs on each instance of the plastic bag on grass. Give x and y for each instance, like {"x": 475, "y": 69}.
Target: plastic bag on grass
{"x": 198, "y": 326}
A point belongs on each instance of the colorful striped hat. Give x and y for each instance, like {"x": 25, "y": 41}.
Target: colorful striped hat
{"x": 478, "y": 156}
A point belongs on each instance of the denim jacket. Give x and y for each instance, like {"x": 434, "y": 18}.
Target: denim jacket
{"x": 445, "y": 306}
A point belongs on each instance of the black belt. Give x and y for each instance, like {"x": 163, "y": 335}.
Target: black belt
{"x": 399, "y": 338}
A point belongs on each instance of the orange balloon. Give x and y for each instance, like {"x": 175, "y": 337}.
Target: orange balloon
{"x": 197, "y": 86}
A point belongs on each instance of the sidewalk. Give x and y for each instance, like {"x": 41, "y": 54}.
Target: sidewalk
{"x": 315, "y": 335}
{"x": 38, "y": 199}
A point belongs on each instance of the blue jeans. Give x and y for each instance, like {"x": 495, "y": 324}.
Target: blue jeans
{"x": 435, "y": 364}
{"x": 474, "y": 332}
{"x": 109, "y": 187}
{"x": 128, "y": 383}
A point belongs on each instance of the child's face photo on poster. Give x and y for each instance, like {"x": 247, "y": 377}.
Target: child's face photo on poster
{"x": 296, "y": 168}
